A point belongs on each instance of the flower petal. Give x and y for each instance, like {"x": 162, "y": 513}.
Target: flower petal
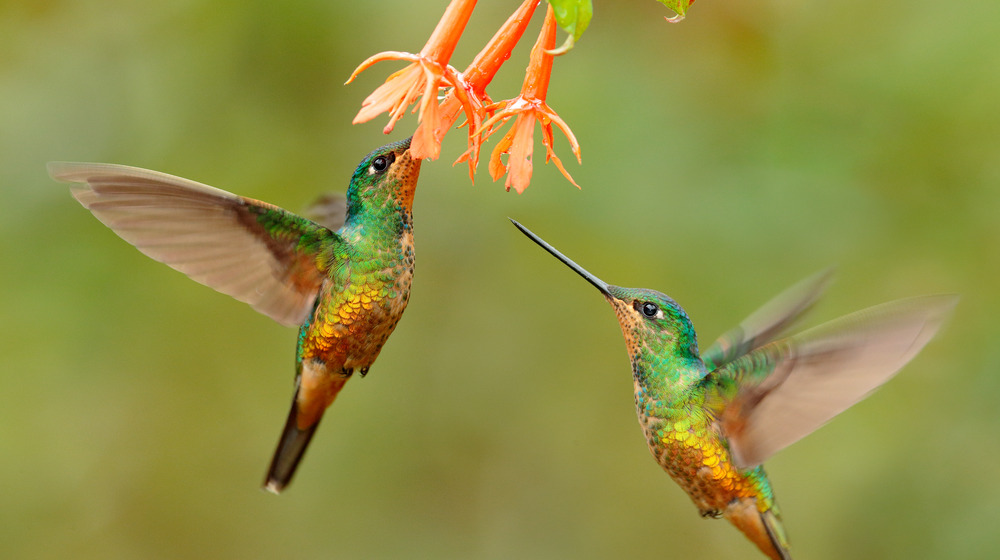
{"x": 574, "y": 145}
{"x": 497, "y": 167}
{"x": 387, "y": 55}
{"x": 394, "y": 96}
{"x": 519, "y": 165}
{"x": 550, "y": 154}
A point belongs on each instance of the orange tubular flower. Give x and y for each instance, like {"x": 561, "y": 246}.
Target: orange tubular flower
{"x": 422, "y": 77}
{"x": 529, "y": 107}
{"x": 476, "y": 77}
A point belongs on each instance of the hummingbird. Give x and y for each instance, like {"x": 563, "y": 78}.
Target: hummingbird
{"x": 711, "y": 418}
{"x": 344, "y": 283}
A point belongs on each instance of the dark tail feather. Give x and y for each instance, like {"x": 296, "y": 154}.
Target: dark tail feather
{"x": 776, "y": 531}
{"x": 763, "y": 528}
{"x": 291, "y": 447}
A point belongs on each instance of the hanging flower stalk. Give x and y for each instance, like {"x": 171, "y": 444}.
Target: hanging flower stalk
{"x": 423, "y": 77}
{"x": 429, "y": 71}
{"x": 476, "y": 77}
{"x": 527, "y": 108}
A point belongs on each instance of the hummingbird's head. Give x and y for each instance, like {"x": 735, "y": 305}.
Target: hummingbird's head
{"x": 384, "y": 181}
{"x": 652, "y": 322}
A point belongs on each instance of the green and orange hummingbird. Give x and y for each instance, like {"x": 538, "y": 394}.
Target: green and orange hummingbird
{"x": 344, "y": 283}
{"x": 711, "y": 418}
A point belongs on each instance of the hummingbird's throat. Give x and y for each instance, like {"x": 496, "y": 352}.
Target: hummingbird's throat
{"x": 404, "y": 174}
{"x": 628, "y": 320}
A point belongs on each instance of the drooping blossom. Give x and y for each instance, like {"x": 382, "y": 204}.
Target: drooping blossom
{"x": 422, "y": 78}
{"x": 429, "y": 71}
{"x": 476, "y": 77}
{"x": 528, "y": 108}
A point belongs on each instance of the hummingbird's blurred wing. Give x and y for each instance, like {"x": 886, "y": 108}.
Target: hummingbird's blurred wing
{"x": 329, "y": 210}
{"x": 251, "y": 250}
{"x": 763, "y": 325}
{"x": 781, "y": 392}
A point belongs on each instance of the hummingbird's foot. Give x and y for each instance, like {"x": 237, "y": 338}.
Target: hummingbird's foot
{"x": 713, "y": 513}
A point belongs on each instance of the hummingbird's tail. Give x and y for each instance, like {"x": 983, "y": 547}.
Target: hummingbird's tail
{"x": 763, "y": 528}
{"x": 291, "y": 447}
{"x": 315, "y": 390}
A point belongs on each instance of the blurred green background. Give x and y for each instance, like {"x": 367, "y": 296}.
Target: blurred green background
{"x": 725, "y": 158}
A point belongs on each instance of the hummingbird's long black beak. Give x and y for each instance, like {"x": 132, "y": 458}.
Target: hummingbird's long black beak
{"x": 597, "y": 282}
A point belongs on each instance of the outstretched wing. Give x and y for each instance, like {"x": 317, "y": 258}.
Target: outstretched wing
{"x": 781, "y": 392}
{"x": 256, "y": 252}
{"x": 763, "y": 325}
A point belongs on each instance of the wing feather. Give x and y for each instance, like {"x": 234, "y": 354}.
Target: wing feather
{"x": 253, "y": 251}
{"x": 781, "y": 392}
{"x": 763, "y": 325}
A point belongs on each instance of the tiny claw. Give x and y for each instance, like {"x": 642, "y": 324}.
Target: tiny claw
{"x": 676, "y": 19}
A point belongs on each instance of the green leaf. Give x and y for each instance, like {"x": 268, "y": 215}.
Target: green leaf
{"x": 574, "y": 17}
{"x": 678, "y": 6}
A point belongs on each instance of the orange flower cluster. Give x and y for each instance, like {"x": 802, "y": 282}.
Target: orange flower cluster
{"x": 429, "y": 71}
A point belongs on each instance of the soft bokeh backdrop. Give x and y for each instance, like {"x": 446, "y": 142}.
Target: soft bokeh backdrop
{"x": 725, "y": 158}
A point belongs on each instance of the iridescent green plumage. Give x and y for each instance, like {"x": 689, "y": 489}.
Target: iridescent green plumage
{"x": 345, "y": 289}
{"x": 710, "y": 419}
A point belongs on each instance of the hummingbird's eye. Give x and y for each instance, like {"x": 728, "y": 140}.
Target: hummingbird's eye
{"x": 649, "y": 309}
{"x": 382, "y": 163}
